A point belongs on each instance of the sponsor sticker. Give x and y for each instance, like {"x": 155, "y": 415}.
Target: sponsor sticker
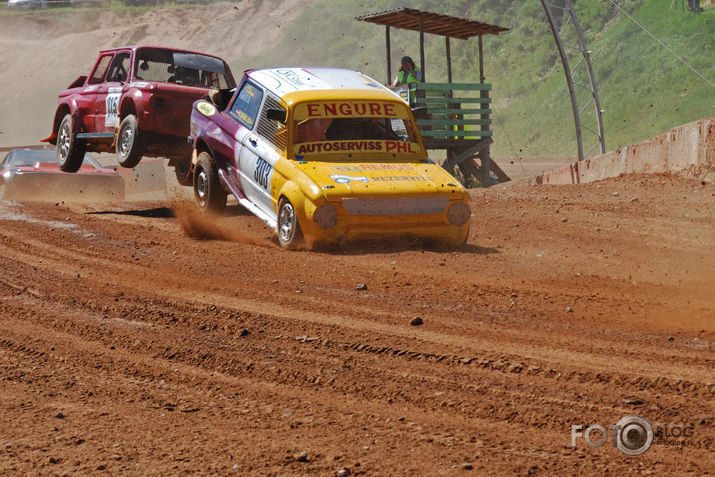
{"x": 343, "y": 179}
{"x": 337, "y": 147}
{"x": 206, "y": 109}
{"x": 372, "y": 167}
{"x": 350, "y": 109}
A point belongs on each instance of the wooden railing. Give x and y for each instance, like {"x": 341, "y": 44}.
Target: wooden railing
{"x": 445, "y": 111}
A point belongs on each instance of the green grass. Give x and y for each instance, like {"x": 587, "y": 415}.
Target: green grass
{"x": 643, "y": 88}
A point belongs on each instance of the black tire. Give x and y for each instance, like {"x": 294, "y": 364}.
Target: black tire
{"x": 209, "y": 194}
{"x": 290, "y": 235}
{"x": 70, "y": 151}
{"x": 128, "y": 143}
{"x": 454, "y": 245}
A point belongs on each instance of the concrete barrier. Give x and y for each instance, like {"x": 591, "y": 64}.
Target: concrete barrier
{"x": 563, "y": 175}
{"x": 686, "y": 147}
{"x": 648, "y": 156}
{"x": 610, "y": 164}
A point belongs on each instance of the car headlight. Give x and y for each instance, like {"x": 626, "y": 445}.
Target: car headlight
{"x": 325, "y": 216}
{"x": 459, "y": 213}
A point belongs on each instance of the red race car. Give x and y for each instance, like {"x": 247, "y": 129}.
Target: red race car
{"x": 33, "y": 174}
{"x": 136, "y": 101}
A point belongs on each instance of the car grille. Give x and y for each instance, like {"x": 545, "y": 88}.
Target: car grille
{"x": 398, "y": 206}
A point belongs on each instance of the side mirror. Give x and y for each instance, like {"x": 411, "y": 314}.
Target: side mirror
{"x": 277, "y": 114}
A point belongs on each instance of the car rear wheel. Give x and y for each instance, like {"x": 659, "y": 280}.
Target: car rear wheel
{"x": 128, "y": 148}
{"x": 70, "y": 151}
{"x": 290, "y": 235}
{"x": 208, "y": 192}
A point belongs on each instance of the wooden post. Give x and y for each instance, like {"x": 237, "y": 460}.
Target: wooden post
{"x": 389, "y": 60}
{"x": 422, "y": 49}
{"x": 449, "y": 59}
{"x": 481, "y": 61}
{"x": 484, "y": 155}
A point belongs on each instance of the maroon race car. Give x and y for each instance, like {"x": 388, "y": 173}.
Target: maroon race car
{"x": 136, "y": 102}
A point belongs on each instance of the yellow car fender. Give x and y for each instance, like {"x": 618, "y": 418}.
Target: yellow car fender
{"x": 304, "y": 208}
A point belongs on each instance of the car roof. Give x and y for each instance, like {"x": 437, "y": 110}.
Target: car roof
{"x": 136, "y": 47}
{"x": 284, "y": 81}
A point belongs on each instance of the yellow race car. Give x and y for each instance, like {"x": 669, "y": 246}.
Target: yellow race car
{"x": 322, "y": 155}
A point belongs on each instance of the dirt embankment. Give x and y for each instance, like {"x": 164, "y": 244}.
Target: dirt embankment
{"x": 128, "y": 347}
{"x": 44, "y": 51}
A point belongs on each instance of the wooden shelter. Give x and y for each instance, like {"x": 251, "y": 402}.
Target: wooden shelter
{"x": 450, "y": 115}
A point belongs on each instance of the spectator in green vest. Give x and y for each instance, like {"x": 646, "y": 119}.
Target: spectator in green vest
{"x": 408, "y": 73}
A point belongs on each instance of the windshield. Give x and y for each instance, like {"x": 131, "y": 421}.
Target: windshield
{"x": 353, "y": 126}
{"x": 191, "y": 69}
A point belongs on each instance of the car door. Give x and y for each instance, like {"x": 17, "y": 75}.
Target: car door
{"x": 89, "y": 92}
{"x": 255, "y": 165}
{"x": 109, "y": 93}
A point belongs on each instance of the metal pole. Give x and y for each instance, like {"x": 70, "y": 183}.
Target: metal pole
{"x": 449, "y": 60}
{"x": 591, "y": 77}
{"x": 422, "y": 49}
{"x": 389, "y": 60}
{"x": 569, "y": 80}
{"x": 484, "y": 154}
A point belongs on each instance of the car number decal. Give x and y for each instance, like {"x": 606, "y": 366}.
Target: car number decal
{"x": 262, "y": 174}
{"x": 112, "y": 103}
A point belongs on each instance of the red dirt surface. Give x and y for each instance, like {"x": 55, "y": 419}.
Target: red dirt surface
{"x": 128, "y": 346}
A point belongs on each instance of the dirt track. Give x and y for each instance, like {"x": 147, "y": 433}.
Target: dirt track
{"x": 128, "y": 346}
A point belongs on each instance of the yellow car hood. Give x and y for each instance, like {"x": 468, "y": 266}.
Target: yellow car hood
{"x": 340, "y": 180}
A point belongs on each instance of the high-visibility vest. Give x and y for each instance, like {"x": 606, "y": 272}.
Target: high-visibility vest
{"x": 410, "y": 78}
{"x": 403, "y": 78}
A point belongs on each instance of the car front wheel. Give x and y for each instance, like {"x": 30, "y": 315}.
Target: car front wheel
{"x": 208, "y": 192}
{"x": 128, "y": 147}
{"x": 290, "y": 235}
{"x": 70, "y": 151}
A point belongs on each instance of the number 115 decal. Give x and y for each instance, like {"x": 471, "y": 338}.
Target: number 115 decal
{"x": 112, "y": 104}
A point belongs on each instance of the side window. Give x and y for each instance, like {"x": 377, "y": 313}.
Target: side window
{"x": 272, "y": 131}
{"x": 246, "y": 105}
{"x": 100, "y": 70}
{"x": 119, "y": 71}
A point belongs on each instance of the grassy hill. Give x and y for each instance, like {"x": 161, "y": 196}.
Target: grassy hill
{"x": 644, "y": 88}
